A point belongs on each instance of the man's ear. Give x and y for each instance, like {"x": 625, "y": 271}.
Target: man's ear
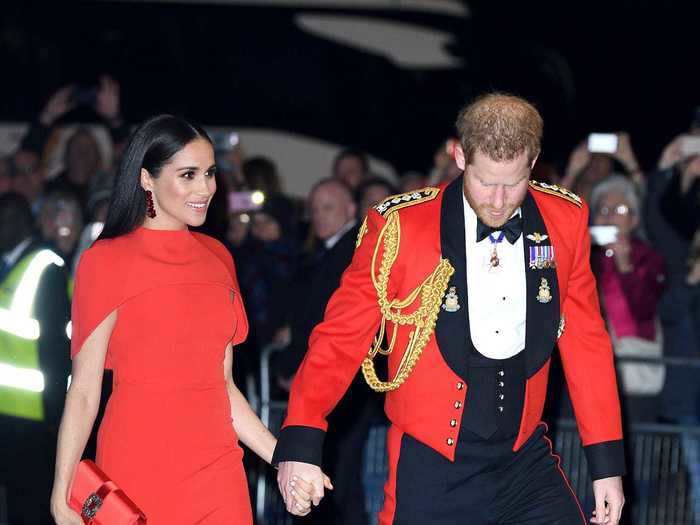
{"x": 532, "y": 166}
{"x": 460, "y": 159}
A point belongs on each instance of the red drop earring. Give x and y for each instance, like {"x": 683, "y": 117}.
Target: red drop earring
{"x": 150, "y": 210}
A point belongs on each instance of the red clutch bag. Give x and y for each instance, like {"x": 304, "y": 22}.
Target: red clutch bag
{"x": 99, "y": 501}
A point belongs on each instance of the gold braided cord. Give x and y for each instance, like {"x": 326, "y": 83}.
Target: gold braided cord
{"x": 361, "y": 233}
{"x": 423, "y": 319}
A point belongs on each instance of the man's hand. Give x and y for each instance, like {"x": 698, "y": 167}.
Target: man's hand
{"x": 60, "y": 103}
{"x": 578, "y": 160}
{"x": 608, "y": 491}
{"x": 300, "y": 482}
{"x": 625, "y": 153}
{"x": 672, "y": 153}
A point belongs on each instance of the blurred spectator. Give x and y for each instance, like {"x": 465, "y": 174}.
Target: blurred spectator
{"x": 333, "y": 213}
{"x": 351, "y": 166}
{"x": 668, "y": 206}
{"x": 99, "y": 194}
{"x": 28, "y": 177}
{"x": 370, "y": 192}
{"x": 585, "y": 169}
{"x": 261, "y": 174}
{"x": 61, "y": 223}
{"x": 5, "y": 177}
{"x": 29, "y": 417}
{"x": 267, "y": 263}
{"x": 631, "y": 276}
{"x": 238, "y": 228}
{"x": 680, "y": 203}
{"x": 229, "y": 159}
{"x": 546, "y": 171}
{"x": 445, "y": 168}
{"x": 411, "y": 181}
{"x": 82, "y": 162}
{"x": 95, "y": 215}
{"x": 82, "y": 158}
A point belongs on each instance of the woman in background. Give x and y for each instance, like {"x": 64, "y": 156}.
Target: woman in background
{"x": 631, "y": 277}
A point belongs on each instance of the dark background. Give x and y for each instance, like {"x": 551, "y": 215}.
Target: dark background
{"x": 588, "y": 65}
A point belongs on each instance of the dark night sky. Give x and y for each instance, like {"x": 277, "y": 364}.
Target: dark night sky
{"x": 589, "y": 66}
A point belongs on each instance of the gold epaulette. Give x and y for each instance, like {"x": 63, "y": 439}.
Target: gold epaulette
{"x": 553, "y": 189}
{"x": 403, "y": 200}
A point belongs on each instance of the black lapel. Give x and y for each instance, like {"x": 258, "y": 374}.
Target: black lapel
{"x": 542, "y": 319}
{"x": 452, "y": 328}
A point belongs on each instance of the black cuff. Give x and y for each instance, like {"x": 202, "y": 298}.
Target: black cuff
{"x": 298, "y": 443}
{"x": 606, "y": 459}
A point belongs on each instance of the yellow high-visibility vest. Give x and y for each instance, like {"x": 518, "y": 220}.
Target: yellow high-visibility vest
{"x": 21, "y": 379}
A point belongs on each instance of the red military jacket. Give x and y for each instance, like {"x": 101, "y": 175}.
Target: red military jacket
{"x": 429, "y": 404}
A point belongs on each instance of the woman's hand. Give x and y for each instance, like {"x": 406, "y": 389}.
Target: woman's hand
{"x": 62, "y": 513}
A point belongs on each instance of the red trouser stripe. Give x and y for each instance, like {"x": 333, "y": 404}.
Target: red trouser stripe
{"x": 393, "y": 445}
{"x": 557, "y": 461}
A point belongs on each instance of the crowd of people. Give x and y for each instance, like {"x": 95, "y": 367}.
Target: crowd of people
{"x": 290, "y": 254}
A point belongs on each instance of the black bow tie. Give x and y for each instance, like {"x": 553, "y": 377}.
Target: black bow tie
{"x": 512, "y": 229}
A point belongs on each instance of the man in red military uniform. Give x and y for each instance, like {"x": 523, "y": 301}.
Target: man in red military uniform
{"x": 471, "y": 286}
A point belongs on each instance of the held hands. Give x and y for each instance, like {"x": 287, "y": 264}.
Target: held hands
{"x": 609, "y": 500}
{"x": 301, "y": 484}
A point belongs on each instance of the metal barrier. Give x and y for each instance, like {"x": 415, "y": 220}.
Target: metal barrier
{"x": 658, "y": 489}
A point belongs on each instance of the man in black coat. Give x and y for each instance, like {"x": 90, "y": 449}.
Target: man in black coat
{"x": 333, "y": 221}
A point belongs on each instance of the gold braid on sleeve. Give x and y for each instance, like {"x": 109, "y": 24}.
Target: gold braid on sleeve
{"x": 431, "y": 292}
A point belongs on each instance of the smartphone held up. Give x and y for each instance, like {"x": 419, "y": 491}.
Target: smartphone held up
{"x": 603, "y": 235}
{"x": 602, "y": 143}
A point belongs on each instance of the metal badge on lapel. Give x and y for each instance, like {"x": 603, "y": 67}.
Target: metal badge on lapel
{"x": 537, "y": 237}
{"x": 545, "y": 294}
{"x": 451, "y": 303}
{"x": 542, "y": 257}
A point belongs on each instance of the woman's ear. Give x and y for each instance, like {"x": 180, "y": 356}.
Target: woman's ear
{"x": 146, "y": 182}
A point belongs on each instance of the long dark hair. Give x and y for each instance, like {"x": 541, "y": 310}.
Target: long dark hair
{"x": 151, "y": 146}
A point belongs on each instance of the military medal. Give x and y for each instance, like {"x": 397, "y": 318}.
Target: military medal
{"x": 494, "y": 261}
{"x": 544, "y": 294}
{"x": 451, "y": 303}
{"x": 542, "y": 257}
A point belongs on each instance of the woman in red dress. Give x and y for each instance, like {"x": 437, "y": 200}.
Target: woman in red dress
{"x": 160, "y": 305}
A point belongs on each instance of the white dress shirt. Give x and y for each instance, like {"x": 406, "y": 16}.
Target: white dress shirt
{"x": 497, "y": 296}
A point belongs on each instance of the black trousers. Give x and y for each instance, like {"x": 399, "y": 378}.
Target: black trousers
{"x": 488, "y": 484}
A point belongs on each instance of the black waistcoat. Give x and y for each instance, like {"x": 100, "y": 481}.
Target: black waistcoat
{"x": 482, "y": 417}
